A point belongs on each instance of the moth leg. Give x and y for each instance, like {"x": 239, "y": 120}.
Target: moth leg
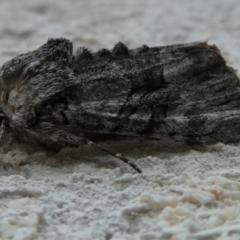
{"x": 75, "y": 141}
{"x": 116, "y": 155}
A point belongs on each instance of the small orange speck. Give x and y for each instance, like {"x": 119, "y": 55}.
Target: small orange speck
{"x": 216, "y": 193}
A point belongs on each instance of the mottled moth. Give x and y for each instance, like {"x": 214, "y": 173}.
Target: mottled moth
{"x": 53, "y": 98}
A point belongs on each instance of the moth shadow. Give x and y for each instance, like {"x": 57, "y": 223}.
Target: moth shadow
{"x": 132, "y": 148}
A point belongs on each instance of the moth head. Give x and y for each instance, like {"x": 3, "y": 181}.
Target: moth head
{"x": 29, "y": 78}
{"x": 24, "y": 66}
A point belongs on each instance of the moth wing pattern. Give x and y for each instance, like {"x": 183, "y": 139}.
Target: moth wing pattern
{"x": 185, "y": 92}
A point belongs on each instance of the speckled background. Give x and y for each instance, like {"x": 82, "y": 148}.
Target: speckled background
{"x": 184, "y": 192}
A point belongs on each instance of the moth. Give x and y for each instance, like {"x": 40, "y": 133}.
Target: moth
{"x": 53, "y": 98}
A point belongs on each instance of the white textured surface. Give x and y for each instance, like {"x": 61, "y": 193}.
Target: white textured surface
{"x": 184, "y": 192}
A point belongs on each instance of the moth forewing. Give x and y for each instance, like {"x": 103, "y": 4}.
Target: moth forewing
{"x": 185, "y": 92}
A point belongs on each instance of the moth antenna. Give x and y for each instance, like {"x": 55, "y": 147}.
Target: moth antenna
{"x": 116, "y": 155}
